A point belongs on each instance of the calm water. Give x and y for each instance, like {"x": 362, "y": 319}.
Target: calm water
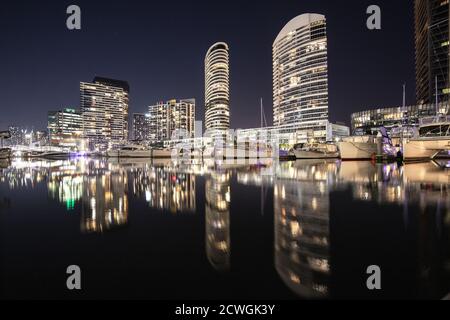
{"x": 163, "y": 230}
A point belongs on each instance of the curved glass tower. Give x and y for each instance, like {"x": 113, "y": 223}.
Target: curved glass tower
{"x": 300, "y": 75}
{"x": 217, "y": 88}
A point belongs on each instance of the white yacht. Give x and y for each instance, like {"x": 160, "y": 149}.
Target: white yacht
{"x": 364, "y": 146}
{"x": 316, "y": 151}
{"x": 129, "y": 151}
{"x": 433, "y": 139}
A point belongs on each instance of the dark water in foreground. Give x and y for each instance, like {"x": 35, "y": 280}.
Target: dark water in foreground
{"x": 194, "y": 231}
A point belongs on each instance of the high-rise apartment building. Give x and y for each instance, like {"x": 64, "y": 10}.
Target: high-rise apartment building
{"x": 104, "y": 106}
{"x": 300, "y": 76}
{"x": 217, "y": 88}
{"x": 432, "y": 50}
{"x": 140, "y": 126}
{"x": 165, "y": 118}
{"x": 65, "y": 128}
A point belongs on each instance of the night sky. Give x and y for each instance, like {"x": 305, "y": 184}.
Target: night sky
{"x": 159, "y": 48}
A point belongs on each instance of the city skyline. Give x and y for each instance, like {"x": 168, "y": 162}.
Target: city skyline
{"x": 250, "y": 76}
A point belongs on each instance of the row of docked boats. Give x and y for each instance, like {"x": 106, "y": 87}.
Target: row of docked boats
{"x": 363, "y": 146}
{"x": 431, "y": 141}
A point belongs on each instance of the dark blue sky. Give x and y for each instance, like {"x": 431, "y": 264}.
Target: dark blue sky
{"x": 159, "y": 48}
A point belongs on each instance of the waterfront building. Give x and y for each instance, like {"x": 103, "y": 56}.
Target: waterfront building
{"x": 432, "y": 50}
{"x": 104, "y": 107}
{"x": 140, "y": 126}
{"x": 21, "y": 136}
{"x": 40, "y": 137}
{"x": 394, "y": 117}
{"x": 300, "y": 76}
{"x": 287, "y": 138}
{"x": 65, "y": 128}
{"x": 17, "y": 136}
{"x": 166, "y": 118}
{"x": 217, "y": 89}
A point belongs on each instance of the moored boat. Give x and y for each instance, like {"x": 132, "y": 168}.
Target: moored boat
{"x": 161, "y": 153}
{"x": 365, "y": 146}
{"x": 129, "y": 151}
{"x": 315, "y": 151}
{"x": 433, "y": 140}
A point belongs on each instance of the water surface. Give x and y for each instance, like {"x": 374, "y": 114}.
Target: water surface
{"x": 165, "y": 230}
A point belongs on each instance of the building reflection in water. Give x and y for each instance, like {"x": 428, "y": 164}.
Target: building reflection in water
{"x": 24, "y": 174}
{"x": 217, "y": 219}
{"x": 302, "y": 209}
{"x": 101, "y": 191}
{"x": 165, "y": 189}
{"x": 105, "y": 197}
{"x": 65, "y": 182}
{"x": 302, "y": 235}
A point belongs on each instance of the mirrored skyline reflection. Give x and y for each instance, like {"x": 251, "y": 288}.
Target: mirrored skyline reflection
{"x": 331, "y": 219}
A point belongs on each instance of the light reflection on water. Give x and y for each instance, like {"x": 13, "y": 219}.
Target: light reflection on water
{"x": 302, "y": 205}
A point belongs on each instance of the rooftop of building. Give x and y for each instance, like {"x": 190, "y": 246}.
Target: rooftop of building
{"x": 298, "y": 22}
{"x": 113, "y": 83}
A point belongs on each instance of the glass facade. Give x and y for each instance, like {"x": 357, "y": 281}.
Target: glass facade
{"x": 140, "y": 127}
{"x": 217, "y": 88}
{"x": 432, "y": 50}
{"x": 396, "y": 116}
{"x": 65, "y": 128}
{"x": 300, "y": 74}
{"x": 104, "y": 106}
{"x": 165, "y": 118}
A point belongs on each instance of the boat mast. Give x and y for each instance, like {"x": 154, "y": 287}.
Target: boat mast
{"x": 404, "y": 96}
{"x": 437, "y": 98}
{"x": 262, "y": 110}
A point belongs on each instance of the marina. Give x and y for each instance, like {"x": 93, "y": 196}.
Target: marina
{"x": 218, "y": 153}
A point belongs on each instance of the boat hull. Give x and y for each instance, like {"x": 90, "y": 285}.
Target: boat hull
{"x": 357, "y": 150}
{"x": 425, "y": 149}
{"x": 302, "y": 154}
{"x": 161, "y": 154}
